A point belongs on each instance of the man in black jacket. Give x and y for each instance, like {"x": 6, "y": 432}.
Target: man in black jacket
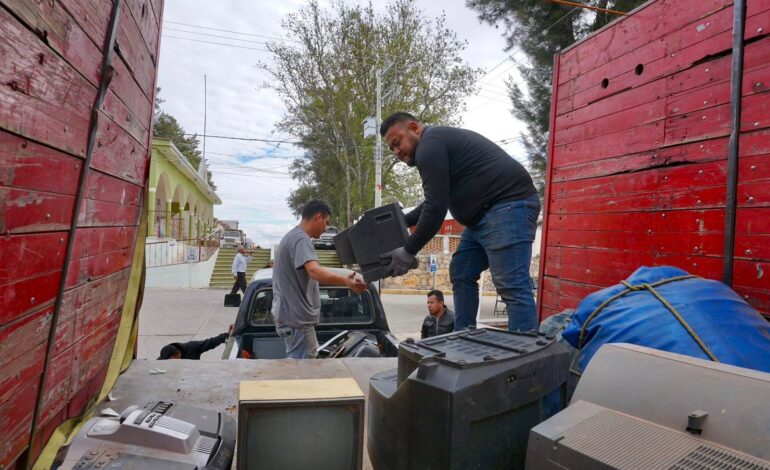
{"x": 192, "y": 349}
{"x": 440, "y": 320}
{"x": 488, "y": 192}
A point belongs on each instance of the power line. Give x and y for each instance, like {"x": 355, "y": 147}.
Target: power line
{"x": 215, "y": 43}
{"x": 215, "y": 36}
{"x": 233, "y": 32}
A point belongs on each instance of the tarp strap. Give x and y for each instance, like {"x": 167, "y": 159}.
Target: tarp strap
{"x": 650, "y": 288}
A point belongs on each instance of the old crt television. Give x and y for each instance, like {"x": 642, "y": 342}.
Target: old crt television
{"x": 379, "y": 231}
{"x": 300, "y": 424}
{"x": 642, "y": 408}
{"x": 465, "y": 400}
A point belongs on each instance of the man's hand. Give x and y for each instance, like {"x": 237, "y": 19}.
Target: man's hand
{"x": 401, "y": 261}
{"x": 355, "y": 283}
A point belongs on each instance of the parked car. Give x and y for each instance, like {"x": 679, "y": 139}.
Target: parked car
{"x": 351, "y": 325}
{"x": 326, "y": 240}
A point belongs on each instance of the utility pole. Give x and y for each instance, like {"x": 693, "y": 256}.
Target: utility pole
{"x": 378, "y": 143}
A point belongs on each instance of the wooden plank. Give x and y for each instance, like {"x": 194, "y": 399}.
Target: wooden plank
{"x": 57, "y": 387}
{"x": 133, "y": 51}
{"x": 691, "y": 176}
{"x": 607, "y": 267}
{"x": 21, "y": 336}
{"x": 118, "y": 154}
{"x": 709, "y": 49}
{"x": 23, "y": 256}
{"x": 93, "y": 267}
{"x": 653, "y": 21}
{"x": 681, "y": 243}
{"x": 27, "y": 165}
{"x": 104, "y": 214}
{"x": 62, "y": 33}
{"x": 715, "y": 121}
{"x": 681, "y": 198}
{"x": 145, "y": 18}
{"x": 753, "y": 274}
{"x": 23, "y": 211}
{"x": 651, "y": 223}
{"x": 16, "y": 423}
{"x": 756, "y": 297}
{"x": 93, "y": 292}
{"x": 624, "y": 142}
{"x": 95, "y": 316}
{"x": 48, "y": 102}
{"x": 92, "y": 16}
{"x": 27, "y": 295}
{"x": 114, "y": 108}
{"x": 94, "y": 241}
{"x": 106, "y": 188}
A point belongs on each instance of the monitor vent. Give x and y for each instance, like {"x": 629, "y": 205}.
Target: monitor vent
{"x": 712, "y": 458}
{"x": 393, "y": 451}
{"x": 405, "y": 367}
{"x": 175, "y": 425}
{"x": 205, "y": 445}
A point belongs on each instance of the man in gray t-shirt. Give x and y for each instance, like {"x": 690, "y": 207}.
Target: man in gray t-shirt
{"x": 296, "y": 275}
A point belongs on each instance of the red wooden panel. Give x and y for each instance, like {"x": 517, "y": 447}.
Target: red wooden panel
{"x": 699, "y": 221}
{"x": 85, "y": 269}
{"x": 624, "y": 142}
{"x": 93, "y": 292}
{"x": 709, "y": 49}
{"x": 27, "y": 165}
{"x": 752, "y": 274}
{"x": 134, "y": 51}
{"x": 57, "y": 386}
{"x": 24, "y": 211}
{"x": 23, "y": 256}
{"x": 93, "y": 16}
{"x": 122, "y": 115}
{"x": 631, "y": 32}
{"x": 16, "y": 422}
{"x": 94, "y": 241}
{"x": 93, "y": 317}
{"x": 106, "y": 188}
{"x": 715, "y": 121}
{"x": 607, "y": 267}
{"x": 696, "y": 198}
{"x": 81, "y": 398}
{"x": 101, "y": 214}
{"x": 127, "y": 90}
{"x": 49, "y": 101}
{"x": 27, "y": 294}
{"x": 21, "y": 336}
{"x": 681, "y": 243}
{"x": 662, "y": 179}
{"x": 757, "y": 298}
{"x": 62, "y": 33}
{"x": 118, "y": 154}
{"x": 145, "y": 18}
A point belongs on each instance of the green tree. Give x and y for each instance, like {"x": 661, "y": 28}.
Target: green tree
{"x": 325, "y": 77}
{"x": 541, "y": 29}
{"x": 166, "y": 126}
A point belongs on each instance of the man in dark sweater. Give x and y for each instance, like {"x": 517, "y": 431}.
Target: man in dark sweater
{"x": 487, "y": 191}
{"x": 192, "y": 349}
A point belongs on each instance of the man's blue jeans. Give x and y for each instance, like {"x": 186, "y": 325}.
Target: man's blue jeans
{"x": 502, "y": 242}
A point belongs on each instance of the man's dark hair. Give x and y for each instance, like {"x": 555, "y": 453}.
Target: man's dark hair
{"x": 437, "y": 294}
{"x": 393, "y": 119}
{"x": 313, "y": 207}
{"x": 169, "y": 350}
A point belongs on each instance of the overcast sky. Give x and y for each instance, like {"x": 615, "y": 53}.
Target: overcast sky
{"x": 252, "y": 177}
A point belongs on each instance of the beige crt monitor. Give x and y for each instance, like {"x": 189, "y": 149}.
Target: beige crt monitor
{"x": 300, "y": 424}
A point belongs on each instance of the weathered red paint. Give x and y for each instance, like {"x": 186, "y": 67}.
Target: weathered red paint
{"x": 637, "y": 167}
{"x": 52, "y": 55}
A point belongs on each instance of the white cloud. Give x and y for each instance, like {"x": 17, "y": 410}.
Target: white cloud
{"x": 255, "y": 191}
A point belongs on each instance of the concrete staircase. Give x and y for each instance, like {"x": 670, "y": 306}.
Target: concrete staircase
{"x": 222, "y": 276}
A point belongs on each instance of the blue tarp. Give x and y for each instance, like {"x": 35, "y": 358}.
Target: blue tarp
{"x": 729, "y": 327}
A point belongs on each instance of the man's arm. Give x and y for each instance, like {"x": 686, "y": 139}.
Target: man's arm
{"x": 235, "y": 263}
{"x": 412, "y": 217}
{"x": 325, "y": 276}
{"x": 433, "y": 163}
{"x": 424, "y": 332}
{"x": 204, "y": 345}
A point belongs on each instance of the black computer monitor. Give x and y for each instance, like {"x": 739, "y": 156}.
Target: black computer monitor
{"x": 300, "y": 424}
{"x": 465, "y": 400}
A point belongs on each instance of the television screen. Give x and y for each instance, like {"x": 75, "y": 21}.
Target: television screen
{"x": 299, "y": 424}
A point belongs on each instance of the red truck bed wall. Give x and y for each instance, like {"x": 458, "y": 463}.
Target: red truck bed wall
{"x": 50, "y": 64}
{"x": 638, "y": 152}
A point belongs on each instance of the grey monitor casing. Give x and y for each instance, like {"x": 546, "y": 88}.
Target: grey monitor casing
{"x": 632, "y": 407}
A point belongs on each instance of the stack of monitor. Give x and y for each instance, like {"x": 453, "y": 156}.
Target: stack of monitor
{"x": 465, "y": 400}
{"x": 640, "y": 408}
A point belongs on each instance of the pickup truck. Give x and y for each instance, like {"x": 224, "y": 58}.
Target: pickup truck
{"x": 351, "y": 325}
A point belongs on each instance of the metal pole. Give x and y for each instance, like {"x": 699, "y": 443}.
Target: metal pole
{"x": 378, "y": 144}
{"x": 739, "y": 20}
{"x": 205, "y": 106}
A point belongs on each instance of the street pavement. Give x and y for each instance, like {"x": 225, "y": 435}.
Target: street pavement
{"x": 180, "y": 315}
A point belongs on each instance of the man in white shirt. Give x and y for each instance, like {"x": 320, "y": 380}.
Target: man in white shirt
{"x": 239, "y": 270}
